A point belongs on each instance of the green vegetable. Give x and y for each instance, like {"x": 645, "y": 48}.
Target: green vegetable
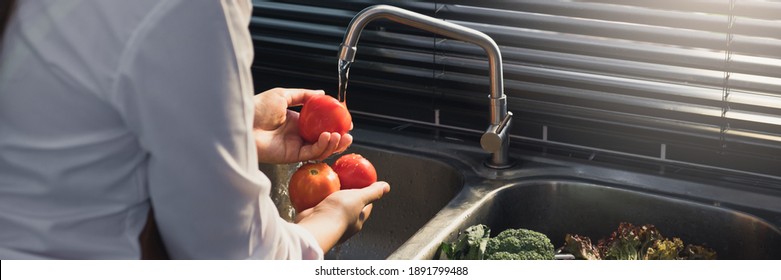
{"x": 475, "y": 243}
{"x": 519, "y": 244}
{"x": 470, "y": 244}
{"x": 648, "y": 235}
{"x": 580, "y": 247}
{"x": 664, "y": 250}
{"x": 645, "y": 242}
{"x": 630, "y": 242}
{"x": 623, "y": 244}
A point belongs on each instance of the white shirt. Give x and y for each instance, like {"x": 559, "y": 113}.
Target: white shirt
{"x": 107, "y": 106}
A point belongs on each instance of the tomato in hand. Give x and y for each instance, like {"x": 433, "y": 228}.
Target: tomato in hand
{"x": 354, "y": 171}
{"x": 323, "y": 113}
{"x": 310, "y": 184}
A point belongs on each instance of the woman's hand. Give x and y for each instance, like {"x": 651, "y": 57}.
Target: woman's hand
{"x": 342, "y": 214}
{"x": 276, "y": 129}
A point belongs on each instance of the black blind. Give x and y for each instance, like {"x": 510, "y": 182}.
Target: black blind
{"x": 695, "y": 81}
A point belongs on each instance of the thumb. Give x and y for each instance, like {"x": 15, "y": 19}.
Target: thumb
{"x": 374, "y": 192}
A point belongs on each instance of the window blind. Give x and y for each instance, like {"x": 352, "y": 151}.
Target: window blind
{"x": 690, "y": 81}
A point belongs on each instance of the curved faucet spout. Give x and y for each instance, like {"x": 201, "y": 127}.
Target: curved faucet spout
{"x": 496, "y": 139}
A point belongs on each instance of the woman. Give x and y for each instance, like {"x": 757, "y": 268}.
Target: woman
{"x": 110, "y": 107}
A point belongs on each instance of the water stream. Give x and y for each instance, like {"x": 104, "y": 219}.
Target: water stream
{"x": 344, "y": 71}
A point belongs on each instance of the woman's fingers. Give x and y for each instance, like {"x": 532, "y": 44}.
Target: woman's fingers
{"x": 344, "y": 143}
{"x": 327, "y": 145}
{"x": 297, "y": 96}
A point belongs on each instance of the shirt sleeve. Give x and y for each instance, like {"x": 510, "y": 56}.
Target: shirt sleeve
{"x": 184, "y": 86}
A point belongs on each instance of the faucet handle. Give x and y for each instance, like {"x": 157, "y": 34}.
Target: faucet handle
{"x": 494, "y": 137}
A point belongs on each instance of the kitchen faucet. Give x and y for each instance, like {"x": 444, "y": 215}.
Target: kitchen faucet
{"x": 496, "y": 139}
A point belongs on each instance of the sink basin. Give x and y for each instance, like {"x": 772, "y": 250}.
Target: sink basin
{"x": 558, "y": 207}
{"x": 420, "y": 187}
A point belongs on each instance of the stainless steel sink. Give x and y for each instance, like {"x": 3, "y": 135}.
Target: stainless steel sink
{"x": 556, "y": 207}
{"x": 420, "y": 187}
{"x": 441, "y": 187}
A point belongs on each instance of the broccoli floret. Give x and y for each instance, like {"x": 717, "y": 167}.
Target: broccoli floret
{"x": 516, "y": 256}
{"x": 519, "y": 244}
{"x": 502, "y": 256}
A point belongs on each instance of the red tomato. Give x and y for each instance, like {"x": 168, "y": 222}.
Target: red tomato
{"x": 323, "y": 113}
{"x": 310, "y": 184}
{"x": 355, "y": 171}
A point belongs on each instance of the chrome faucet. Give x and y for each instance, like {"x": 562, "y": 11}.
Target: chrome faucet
{"x": 496, "y": 139}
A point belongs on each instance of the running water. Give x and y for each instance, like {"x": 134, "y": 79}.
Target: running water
{"x": 344, "y": 71}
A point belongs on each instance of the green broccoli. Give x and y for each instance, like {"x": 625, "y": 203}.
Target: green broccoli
{"x": 519, "y": 244}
